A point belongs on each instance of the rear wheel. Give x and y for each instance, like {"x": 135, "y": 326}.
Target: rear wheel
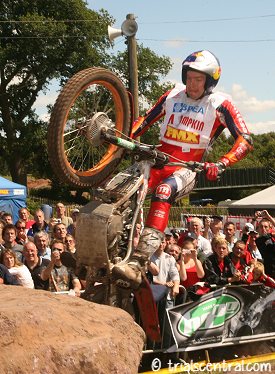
{"x": 73, "y": 158}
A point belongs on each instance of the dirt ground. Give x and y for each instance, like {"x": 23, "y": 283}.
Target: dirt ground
{"x": 33, "y": 183}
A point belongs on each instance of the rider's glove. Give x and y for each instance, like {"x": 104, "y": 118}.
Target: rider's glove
{"x": 213, "y": 170}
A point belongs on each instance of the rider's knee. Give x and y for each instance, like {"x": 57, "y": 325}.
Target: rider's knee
{"x": 166, "y": 191}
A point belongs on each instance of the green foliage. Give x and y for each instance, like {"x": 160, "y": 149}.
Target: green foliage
{"x": 152, "y": 135}
{"x": 264, "y": 150}
{"x": 41, "y": 40}
{"x": 33, "y": 205}
{"x": 261, "y": 156}
{"x": 151, "y": 68}
{"x": 44, "y": 40}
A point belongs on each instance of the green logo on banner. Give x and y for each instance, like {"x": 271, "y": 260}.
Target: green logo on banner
{"x": 209, "y": 314}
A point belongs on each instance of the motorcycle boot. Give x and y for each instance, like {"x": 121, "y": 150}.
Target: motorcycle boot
{"x": 131, "y": 272}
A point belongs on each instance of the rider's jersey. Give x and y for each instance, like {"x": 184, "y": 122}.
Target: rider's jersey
{"x": 190, "y": 126}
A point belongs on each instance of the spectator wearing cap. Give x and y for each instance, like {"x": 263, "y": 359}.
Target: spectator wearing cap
{"x": 246, "y": 229}
{"x": 72, "y": 226}
{"x": 60, "y": 215}
{"x": 169, "y": 238}
{"x": 176, "y": 234}
{"x": 213, "y": 226}
{"x": 74, "y": 214}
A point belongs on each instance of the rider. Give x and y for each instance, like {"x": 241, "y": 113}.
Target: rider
{"x": 194, "y": 117}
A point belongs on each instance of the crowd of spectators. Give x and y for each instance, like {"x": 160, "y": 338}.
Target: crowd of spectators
{"x": 188, "y": 263}
{"x": 30, "y": 250}
{"x": 209, "y": 252}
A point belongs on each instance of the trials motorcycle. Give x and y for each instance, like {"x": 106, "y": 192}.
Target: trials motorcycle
{"x": 88, "y": 137}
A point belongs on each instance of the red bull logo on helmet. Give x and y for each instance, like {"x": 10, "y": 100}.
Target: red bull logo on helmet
{"x": 217, "y": 73}
{"x": 193, "y": 57}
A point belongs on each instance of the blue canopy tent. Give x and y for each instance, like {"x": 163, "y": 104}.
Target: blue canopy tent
{"x": 12, "y": 197}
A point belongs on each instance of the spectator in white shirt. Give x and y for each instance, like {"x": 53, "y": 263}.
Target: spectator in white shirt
{"x": 196, "y": 228}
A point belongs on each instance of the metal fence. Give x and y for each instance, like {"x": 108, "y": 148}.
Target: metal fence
{"x": 175, "y": 217}
{"x": 239, "y": 178}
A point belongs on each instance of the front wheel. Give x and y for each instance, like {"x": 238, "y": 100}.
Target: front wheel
{"x": 72, "y": 156}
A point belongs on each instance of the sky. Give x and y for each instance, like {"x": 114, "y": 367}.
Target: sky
{"x": 241, "y": 33}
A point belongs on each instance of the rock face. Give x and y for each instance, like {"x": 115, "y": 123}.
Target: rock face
{"x": 47, "y": 333}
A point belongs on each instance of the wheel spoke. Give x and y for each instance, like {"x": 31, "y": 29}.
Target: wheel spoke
{"x": 79, "y": 152}
{"x": 76, "y": 152}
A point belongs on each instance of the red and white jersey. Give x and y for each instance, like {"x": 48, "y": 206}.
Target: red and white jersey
{"x": 190, "y": 126}
{"x": 187, "y": 125}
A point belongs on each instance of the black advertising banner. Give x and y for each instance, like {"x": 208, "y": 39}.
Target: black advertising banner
{"x": 226, "y": 315}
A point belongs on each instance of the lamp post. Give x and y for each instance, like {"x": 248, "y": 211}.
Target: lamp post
{"x": 132, "y": 66}
{"x": 129, "y": 28}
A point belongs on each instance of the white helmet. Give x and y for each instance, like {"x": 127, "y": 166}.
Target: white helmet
{"x": 204, "y": 62}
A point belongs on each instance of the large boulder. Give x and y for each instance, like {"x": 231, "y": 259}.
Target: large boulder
{"x": 46, "y": 333}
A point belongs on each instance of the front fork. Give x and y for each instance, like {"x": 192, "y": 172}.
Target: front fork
{"x": 145, "y": 167}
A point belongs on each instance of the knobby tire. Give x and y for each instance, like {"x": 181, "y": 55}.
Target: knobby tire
{"x": 98, "y": 162}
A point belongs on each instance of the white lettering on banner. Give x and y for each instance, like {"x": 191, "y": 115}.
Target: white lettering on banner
{"x": 182, "y": 107}
{"x": 206, "y": 321}
{"x": 209, "y": 314}
{"x": 18, "y": 192}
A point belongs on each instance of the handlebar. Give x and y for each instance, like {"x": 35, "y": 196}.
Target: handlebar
{"x": 102, "y": 129}
{"x": 151, "y": 153}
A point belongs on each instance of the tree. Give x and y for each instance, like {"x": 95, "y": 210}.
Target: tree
{"x": 264, "y": 150}
{"x": 41, "y": 40}
{"x": 261, "y": 156}
{"x": 151, "y": 68}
